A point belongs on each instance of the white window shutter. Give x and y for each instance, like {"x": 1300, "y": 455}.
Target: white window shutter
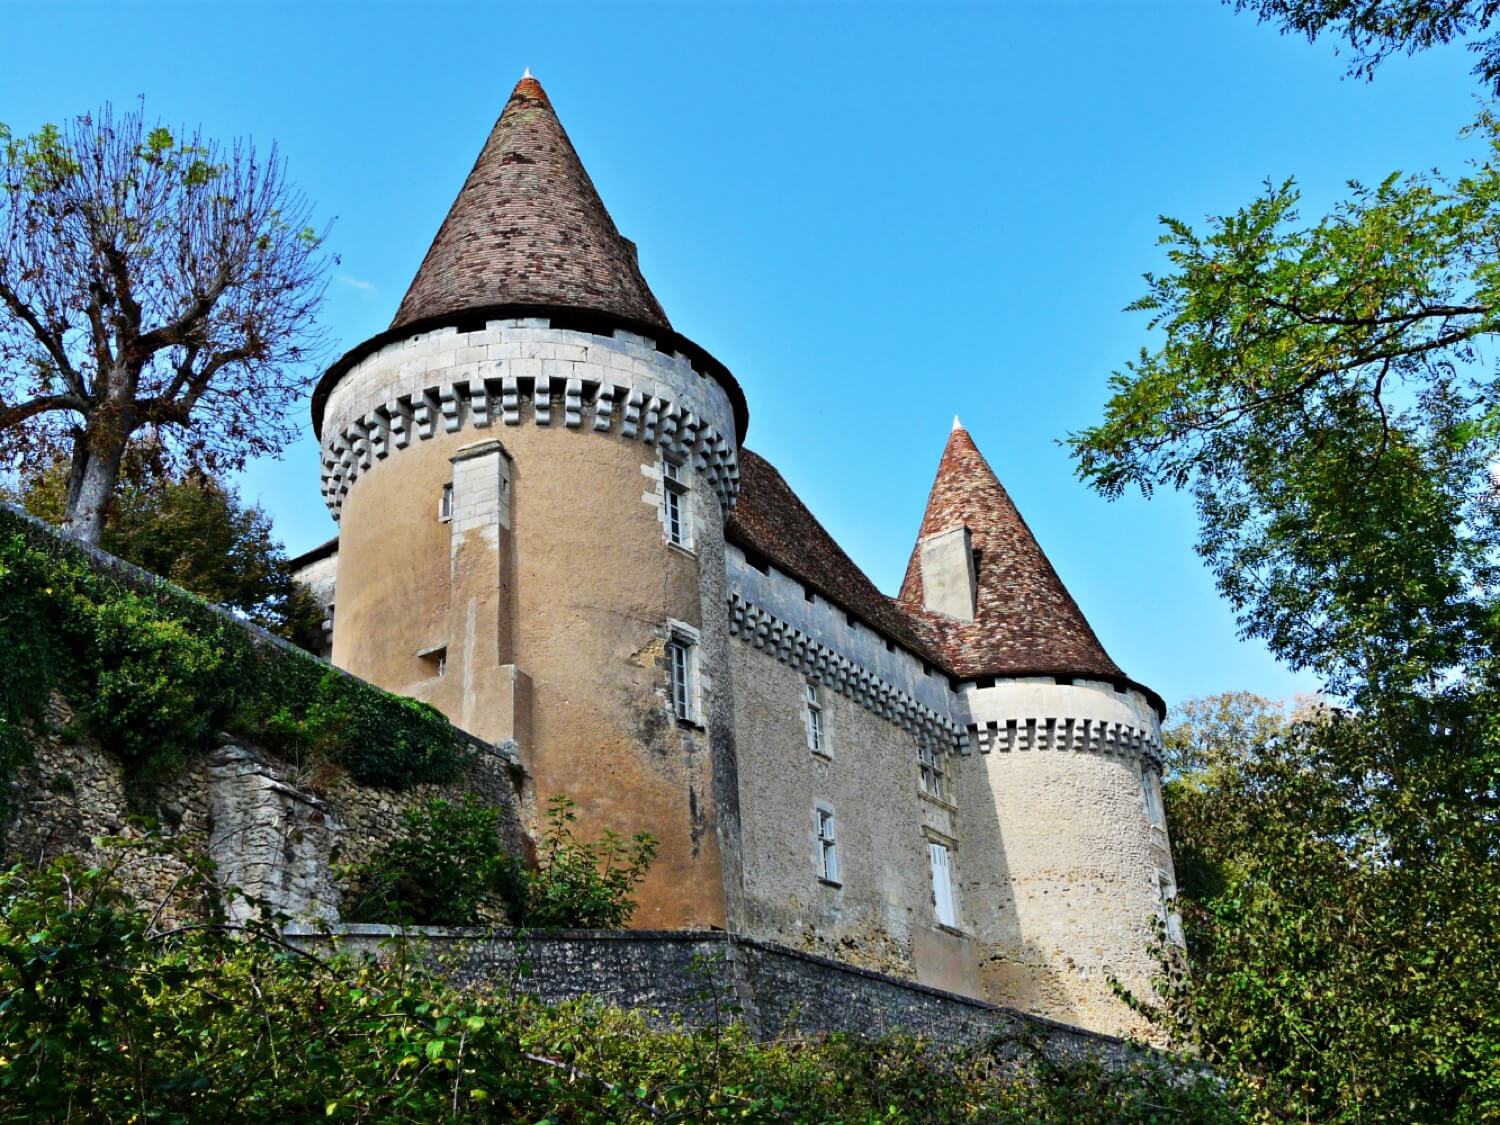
{"x": 942, "y": 884}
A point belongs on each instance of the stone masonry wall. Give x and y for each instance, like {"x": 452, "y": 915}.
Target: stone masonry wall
{"x": 706, "y": 977}
{"x": 273, "y": 830}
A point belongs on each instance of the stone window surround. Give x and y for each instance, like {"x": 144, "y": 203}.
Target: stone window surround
{"x": 816, "y": 719}
{"x": 933, "y": 838}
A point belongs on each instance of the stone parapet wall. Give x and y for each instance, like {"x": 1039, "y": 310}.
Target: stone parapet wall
{"x": 520, "y": 367}
{"x": 705, "y": 977}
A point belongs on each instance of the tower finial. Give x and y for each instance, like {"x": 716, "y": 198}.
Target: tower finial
{"x": 525, "y": 74}
{"x": 957, "y": 425}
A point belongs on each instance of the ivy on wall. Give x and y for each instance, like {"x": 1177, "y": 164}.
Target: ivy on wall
{"x": 155, "y": 673}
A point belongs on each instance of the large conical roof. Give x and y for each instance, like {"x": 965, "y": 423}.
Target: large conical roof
{"x": 1025, "y": 621}
{"x": 529, "y": 230}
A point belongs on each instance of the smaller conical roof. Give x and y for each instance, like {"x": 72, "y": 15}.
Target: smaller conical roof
{"x": 1025, "y": 622}
{"x": 528, "y": 229}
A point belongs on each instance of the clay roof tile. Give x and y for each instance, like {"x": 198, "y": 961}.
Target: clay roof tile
{"x": 1026, "y": 622}
{"x": 529, "y": 229}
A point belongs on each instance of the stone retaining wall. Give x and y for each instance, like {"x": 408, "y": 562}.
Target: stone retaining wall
{"x": 704, "y": 977}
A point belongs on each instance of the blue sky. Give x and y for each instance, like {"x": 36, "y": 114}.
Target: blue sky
{"x": 878, "y": 215}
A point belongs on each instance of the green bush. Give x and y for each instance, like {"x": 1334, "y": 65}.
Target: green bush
{"x": 584, "y": 885}
{"x": 154, "y": 673}
{"x": 448, "y": 868}
{"x": 108, "y": 1014}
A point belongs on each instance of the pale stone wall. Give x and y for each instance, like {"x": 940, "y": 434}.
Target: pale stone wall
{"x": 1076, "y": 867}
{"x": 319, "y": 577}
{"x": 882, "y": 915}
{"x": 274, "y": 831}
{"x": 553, "y": 606}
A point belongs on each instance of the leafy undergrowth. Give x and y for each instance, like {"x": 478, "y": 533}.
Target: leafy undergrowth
{"x": 106, "y": 1015}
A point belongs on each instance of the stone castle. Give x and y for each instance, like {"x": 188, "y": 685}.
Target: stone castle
{"x": 551, "y": 529}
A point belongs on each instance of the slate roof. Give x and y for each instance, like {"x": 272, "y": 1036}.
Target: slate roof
{"x": 772, "y": 521}
{"x": 1026, "y": 621}
{"x": 529, "y": 229}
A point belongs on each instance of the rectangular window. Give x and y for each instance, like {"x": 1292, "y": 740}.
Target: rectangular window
{"x": 445, "y": 503}
{"x": 674, "y": 501}
{"x": 828, "y": 849}
{"x": 942, "y": 884}
{"x": 1155, "y": 813}
{"x": 930, "y": 770}
{"x": 817, "y": 741}
{"x": 680, "y": 666}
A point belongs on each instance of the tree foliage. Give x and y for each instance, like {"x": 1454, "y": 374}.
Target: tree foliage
{"x": 1321, "y": 389}
{"x": 149, "y": 282}
{"x": 193, "y": 530}
{"x": 1342, "y": 913}
{"x": 110, "y": 1013}
{"x": 1318, "y": 391}
{"x": 1377, "y": 29}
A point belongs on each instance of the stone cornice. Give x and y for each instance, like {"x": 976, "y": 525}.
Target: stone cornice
{"x": 795, "y": 648}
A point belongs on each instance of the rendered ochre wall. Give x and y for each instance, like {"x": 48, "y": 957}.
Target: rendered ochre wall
{"x": 566, "y": 650}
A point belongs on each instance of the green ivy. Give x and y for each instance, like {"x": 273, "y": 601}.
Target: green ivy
{"x": 154, "y": 673}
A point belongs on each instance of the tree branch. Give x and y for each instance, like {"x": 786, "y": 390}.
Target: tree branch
{"x": 52, "y": 343}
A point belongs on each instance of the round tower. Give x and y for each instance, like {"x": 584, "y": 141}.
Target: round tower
{"x": 1064, "y": 864}
{"x": 531, "y": 472}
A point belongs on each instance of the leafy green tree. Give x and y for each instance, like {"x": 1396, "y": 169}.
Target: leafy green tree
{"x": 194, "y": 530}
{"x": 149, "y": 283}
{"x": 1377, "y": 29}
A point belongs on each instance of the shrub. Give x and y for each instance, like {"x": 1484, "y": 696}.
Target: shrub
{"x": 448, "y": 868}
{"x": 580, "y": 885}
{"x": 108, "y": 1015}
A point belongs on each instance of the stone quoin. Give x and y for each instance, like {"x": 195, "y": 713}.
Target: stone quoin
{"x": 551, "y": 530}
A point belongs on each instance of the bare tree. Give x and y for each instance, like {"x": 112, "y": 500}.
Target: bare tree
{"x": 149, "y": 282}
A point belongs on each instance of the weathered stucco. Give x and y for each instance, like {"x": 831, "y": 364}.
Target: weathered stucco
{"x": 566, "y": 588}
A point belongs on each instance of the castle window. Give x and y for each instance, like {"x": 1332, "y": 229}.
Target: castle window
{"x": 828, "y": 848}
{"x": 817, "y": 739}
{"x": 1155, "y": 813}
{"x": 436, "y": 659}
{"x": 445, "y": 503}
{"x": 944, "y": 904}
{"x": 674, "y": 503}
{"x": 682, "y": 672}
{"x": 930, "y": 770}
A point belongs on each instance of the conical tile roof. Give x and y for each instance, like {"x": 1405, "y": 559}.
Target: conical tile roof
{"x": 529, "y": 229}
{"x": 1026, "y": 622}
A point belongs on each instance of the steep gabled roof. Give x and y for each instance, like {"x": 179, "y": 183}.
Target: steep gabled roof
{"x": 1026, "y": 622}
{"x": 771, "y": 520}
{"x": 528, "y": 229}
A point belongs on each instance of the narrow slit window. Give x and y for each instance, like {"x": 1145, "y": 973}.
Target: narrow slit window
{"x": 1155, "y": 813}
{"x": 828, "y": 848}
{"x": 930, "y": 770}
{"x": 817, "y": 738}
{"x": 445, "y": 503}
{"x": 943, "y": 900}
{"x": 674, "y": 503}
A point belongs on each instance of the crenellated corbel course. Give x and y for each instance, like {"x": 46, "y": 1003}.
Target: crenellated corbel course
{"x": 795, "y": 648}
{"x": 1063, "y": 733}
{"x": 634, "y": 390}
